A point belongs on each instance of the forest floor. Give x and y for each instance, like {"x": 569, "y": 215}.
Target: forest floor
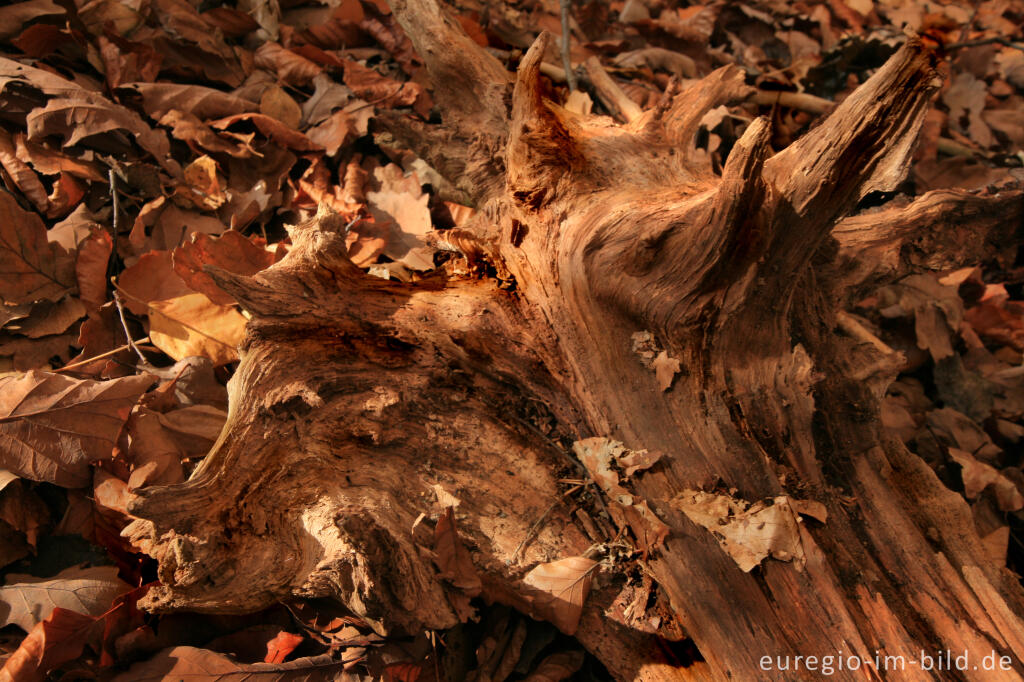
{"x": 143, "y": 139}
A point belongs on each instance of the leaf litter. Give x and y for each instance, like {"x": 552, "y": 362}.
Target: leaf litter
{"x": 222, "y": 125}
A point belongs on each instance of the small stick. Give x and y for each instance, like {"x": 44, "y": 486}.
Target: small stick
{"x": 88, "y": 361}
{"x": 566, "y": 61}
{"x": 536, "y": 524}
{"x": 615, "y": 100}
{"x": 124, "y": 325}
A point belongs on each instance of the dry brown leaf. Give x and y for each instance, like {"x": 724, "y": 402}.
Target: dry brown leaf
{"x": 195, "y": 428}
{"x": 202, "y": 102}
{"x": 28, "y": 354}
{"x": 231, "y": 251}
{"x": 402, "y": 202}
{"x": 48, "y": 318}
{"x": 665, "y": 369}
{"x": 74, "y": 120}
{"x": 288, "y": 66}
{"x": 185, "y": 662}
{"x": 452, "y": 558}
{"x": 31, "y": 268}
{"x": 52, "y": 427}
{"x": 202, "y": 186}
{"x": 53, "y": 162}
{"x": 373, "y": 87}
{"x": 748, "y": 533}
{"x": 91, "y": 267}
{"x": 26, "y": 600}
{"x": 977, "y": 476}
{"x": 273, "y": 129}
{"x": 559, "y": 590}
{"x": 125, "y": 61}
{"x": 557, "y": 667}
{"x": 598, "y": 455}
{"x": 15, "y": 16}
{"x": 278, "y": 104}
{"x": 56, "y": 640}
{"x": 23, "y": 177}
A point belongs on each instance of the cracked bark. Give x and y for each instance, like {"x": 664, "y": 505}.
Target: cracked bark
{"x": 358, "y": 399}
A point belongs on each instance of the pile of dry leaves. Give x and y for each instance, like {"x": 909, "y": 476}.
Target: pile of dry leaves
{"x": 141, "y": 140}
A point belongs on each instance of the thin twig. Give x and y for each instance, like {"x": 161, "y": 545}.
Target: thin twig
{"x": 124, "y": 325}
{"x": 101, "y": 356}
{"x": 570, "y": 77}
{"x": 999, "y": 40}
{"x": 536, "y": 524}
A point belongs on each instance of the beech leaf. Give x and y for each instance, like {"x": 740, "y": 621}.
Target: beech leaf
{"x": 29, "y": 267}
{"x": 52, "y": 427}
{"x": 559, "y": 590}
{"x": 27, "y": 600}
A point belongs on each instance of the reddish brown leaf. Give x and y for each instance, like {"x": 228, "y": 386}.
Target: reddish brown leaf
{"x": 376, "y": 88}
{"x": 53, "y": 427}
{"x": 16, "y": 15}
{"x": 282, "y": 645}
{"x": 288, "y": 66}
{"x": 91, "y": 266}
{"x": 56, "y": 640}
{"x": 272, "y": 129}
{"x": 231, "y": 251}
{"x": 29, "y": 266}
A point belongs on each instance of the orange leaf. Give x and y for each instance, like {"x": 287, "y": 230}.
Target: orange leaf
{"x": 282, "y": 645}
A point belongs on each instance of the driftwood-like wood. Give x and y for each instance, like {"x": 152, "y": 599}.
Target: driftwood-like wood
{"x": 361, "y": 404}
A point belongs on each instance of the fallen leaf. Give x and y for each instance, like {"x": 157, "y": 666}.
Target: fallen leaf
{"x": 91, "y": 267}
{"x": 231, "y": 252}
{"x": 185, "y": 662}
{"x": 30, "y": 266}
{"x": 748, "y": 533}
{"x": 665, "y": 369}
{"x": 272, "y": 129}
{"x": 56, "y": 640}
{"x": 401, "y": 201}
{"x": 48, "y": 318}
{"x": 559, "y": 590}
{"x": 289, "y": 67}
{"x": 598, "y": 455}
{"x": 557, "y": 667}
{"x": 282, "y": 645}
{"x": 977, "y": 476}
{"x": 75, "y": 120}
{"x": 202, "y": 186}
{"x": 26, "y": 600}
{"x": 152, "y": 451}
{"x": 278, "y": 104}
{"x": 52, "y": 427}
{"x": 194, "y": 325}
{"x": 202, "y": 102}
{"x": 15, "y": 16}
{"x": 452, "y": 558}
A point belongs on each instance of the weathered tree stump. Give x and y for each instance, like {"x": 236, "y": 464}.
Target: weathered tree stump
{"x": 361, "y": 404}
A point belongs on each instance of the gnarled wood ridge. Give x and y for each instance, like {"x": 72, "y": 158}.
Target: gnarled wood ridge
{"x": 361, "y": 404}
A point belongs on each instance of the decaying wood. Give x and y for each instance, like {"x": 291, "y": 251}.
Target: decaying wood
{"x": 361, "y": 404}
